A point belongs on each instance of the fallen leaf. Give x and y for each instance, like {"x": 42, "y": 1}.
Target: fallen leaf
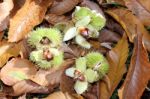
{"x": 139, "y": 10}
{"x": 66, "y": 84}
{"x": 116, "y": 27}
{"x": 129, "y": 22}
{"x": 138, "y": 73}
{"x": 16, "y": 70}
{"x": 145, "y": 3}
{"x": 53, "y": 18}
{"x": 8, "y": 50}
{"x": 25, "y": 49}
{"x": 92, "y": 92}
{"x": 5, "y": 7}
{"x": 17, "y": 5}
{"x": 116, "y": 58}
{"x": 63, "y": 7}
{"x": 68, "y": 52}
{"x": 25, "y": 19}
{"x": 108, "y": 36}
{"x": 57, "y": 95}
{"x": 77, "y": 50}
{"x": 1, "y": 35}
{"x": 51, "y": 76}
{"x": 27, "y": 86}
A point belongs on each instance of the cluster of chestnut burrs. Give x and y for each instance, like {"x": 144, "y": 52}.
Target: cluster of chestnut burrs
{"x": 47, "y": 54}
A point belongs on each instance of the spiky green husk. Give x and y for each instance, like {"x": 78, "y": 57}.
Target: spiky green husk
{"x": 81, "y": 64}
{"x": 53, "y": 34}
{"x": 97, "y": 62}
{"x": 97, "y": 20}
{"x": 37, "y": 57}
{"x": 94, "y": 58}
{"x": 104, "y": 68}
{"x": 81, "y": 12}
{"x": 58, "y": 60}
{"x": 93, "y": 67}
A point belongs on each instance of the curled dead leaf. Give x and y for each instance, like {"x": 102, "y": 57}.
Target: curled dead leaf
{"x": 129, "y": 22}
{"x": 138, "y": 73}
{"x": 139, "y": 10}
{"x": 25, "y": 19}
{"x": 8, "y": 50}
{"x": 116, "y": 58}
{"x": 5, "y": 7}
{"x": 63, "y": 7}
{"x": 16, "y": 70}
{"x": 27, "y": 86}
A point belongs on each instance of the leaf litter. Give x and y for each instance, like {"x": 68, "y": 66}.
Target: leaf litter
{"x": 106, "y": 27}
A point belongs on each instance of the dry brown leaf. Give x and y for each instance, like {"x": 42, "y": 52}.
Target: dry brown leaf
{"x": 27, "y": 86}
{"x": 129, "y": 22}
{"x": 116, "y": 27}
{"x": 53, "y": 18}
{"x": 138, "y": 74}
{"x": 63, "y": 7}
{"x": 116, "y": 58}
{"x": 140, "y": 10}
{"x": 5, "y": 7}
{"x": 1, "y": 35}
{"x": 16, "y": 70}
{"x": 17, "y": 5}
{"x": 68, "y": 52}
{"x": 92, "y": 92}
{"x": 30, "y": 15}
{"x": 145, "y": 3}
{"x": 25, "y": 49}
{"x": 66, "y": 84}
{"x": 108, "y": 36}
{"x": 51, "y": 76}
{"x": 8, "y": 50}
{"x": 58, "y": 95}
